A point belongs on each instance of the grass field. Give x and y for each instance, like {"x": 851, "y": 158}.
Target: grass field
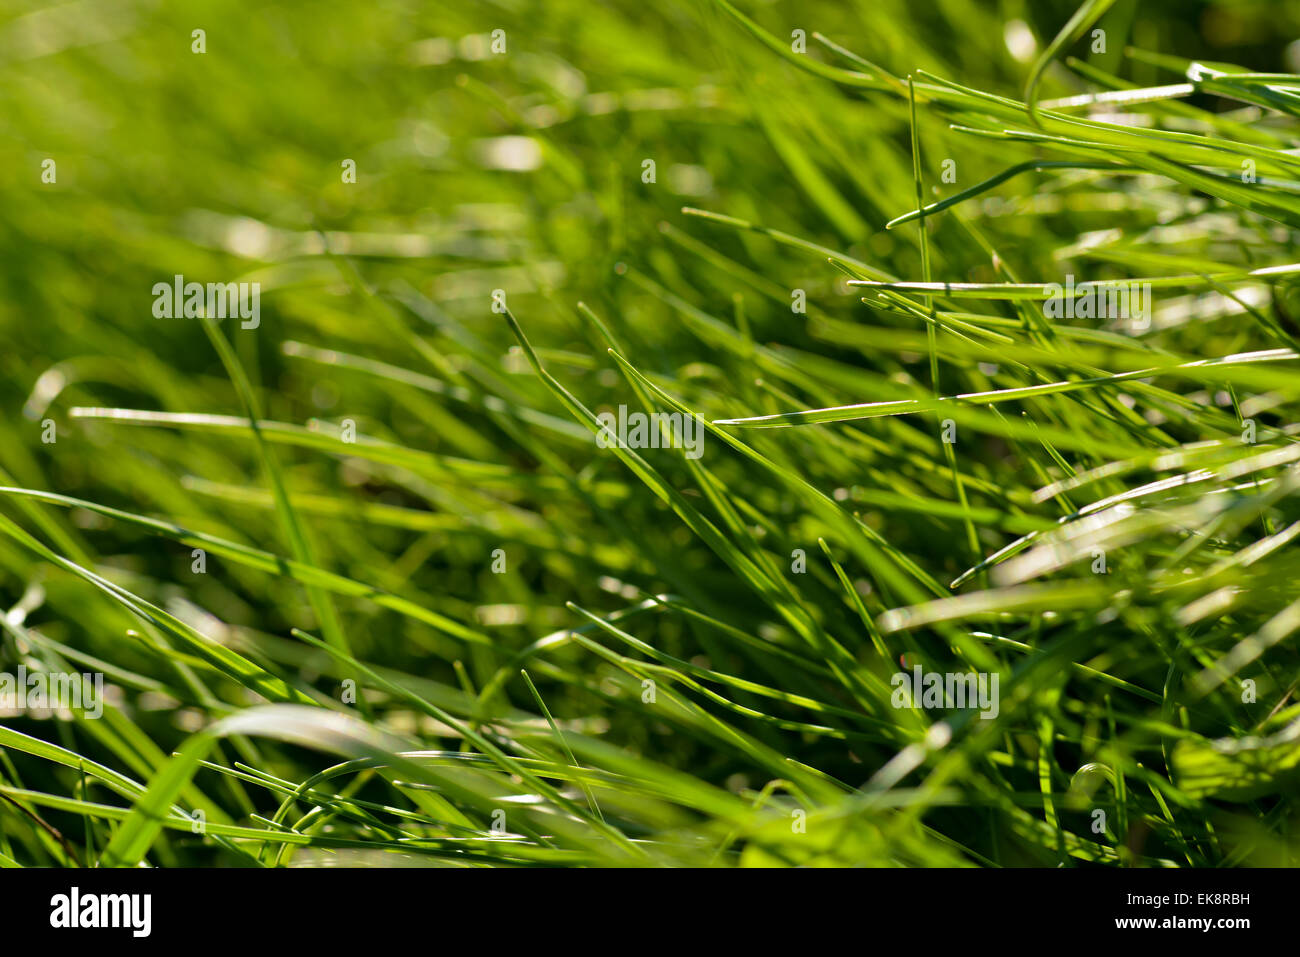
{"x": 360, "y": 576}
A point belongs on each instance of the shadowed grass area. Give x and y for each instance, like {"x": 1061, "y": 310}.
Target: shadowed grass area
{"x": 982, "y": 320}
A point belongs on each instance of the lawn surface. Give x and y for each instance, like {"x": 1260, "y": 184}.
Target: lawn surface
{"x": 365, "y": 582}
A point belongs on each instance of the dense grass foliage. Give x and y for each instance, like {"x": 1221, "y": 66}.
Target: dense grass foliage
{"x": 365, "y": 587}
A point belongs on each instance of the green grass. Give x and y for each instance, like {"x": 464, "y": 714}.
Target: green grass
{"x": 472, "y": 636}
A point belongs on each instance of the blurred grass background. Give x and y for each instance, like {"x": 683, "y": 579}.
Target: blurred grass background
{"x": 477, "y": 171}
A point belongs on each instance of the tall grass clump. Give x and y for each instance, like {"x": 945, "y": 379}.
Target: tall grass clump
{"x": 986, "y": 316}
